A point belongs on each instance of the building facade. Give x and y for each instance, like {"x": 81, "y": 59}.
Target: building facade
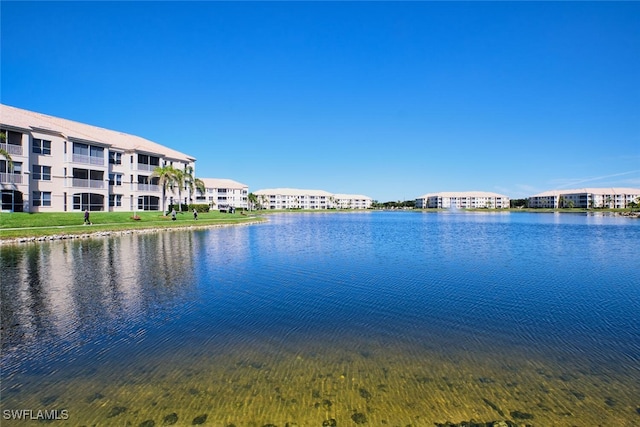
{"x": 59, "y": 165}
{"x": 463, "y": 200}
{"x": 222, "y": 193}
{"x": 292, "y": 198}
{"x": 352, "y": 201}
{"x": 586, "y": 198}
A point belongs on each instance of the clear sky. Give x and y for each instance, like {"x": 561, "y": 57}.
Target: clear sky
{"x": 390, "y": 100}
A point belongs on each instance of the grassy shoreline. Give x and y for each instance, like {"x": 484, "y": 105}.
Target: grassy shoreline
{"x": 23, "y": 226}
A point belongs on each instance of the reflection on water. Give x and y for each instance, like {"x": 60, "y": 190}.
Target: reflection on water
{"x": 383, "y": 318}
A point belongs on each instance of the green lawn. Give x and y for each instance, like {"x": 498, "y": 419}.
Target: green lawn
{"x": 14, "y": 225}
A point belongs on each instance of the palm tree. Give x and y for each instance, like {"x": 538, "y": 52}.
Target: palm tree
{"x": 4, "y": 153}
{"x": 253, "y": 200}
{"x": 178, "y": 181}
{"x": 166, "y": 178}
{"x": 332, "y": 200}
{"x": 200, "y": 187}
{"x": 193, "y": 183}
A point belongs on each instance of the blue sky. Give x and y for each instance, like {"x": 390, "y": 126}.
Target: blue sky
{"x": 391, "y": 100}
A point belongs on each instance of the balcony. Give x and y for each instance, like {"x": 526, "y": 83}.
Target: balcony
{"x": 146, "y": 167}
{"x": 12, "y": 149}
{"x": 87, "y": 183}
{"x": 88, "y": 160}
{"x": 10, "y": 178}
{"x": 148, "y": 187}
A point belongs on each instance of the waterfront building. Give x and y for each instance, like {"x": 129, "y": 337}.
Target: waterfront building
{"x": 221, "y": 193}
{"x": 463, "y": 200}
{"x": 60, "y": 165}
{"x": 352, "y": 201}
{"x": 293, "y": 198}
{"x": 585, "y": 198}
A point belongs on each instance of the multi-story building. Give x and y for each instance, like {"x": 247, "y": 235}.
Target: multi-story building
{"x": 463, "y": 200}
{"x": 60, "y": 165}
{"x": 223, "y": 193}
{"x": 352, "y": 201}
{"x": 293, "y": 198}
{"x": 585, "y": 198}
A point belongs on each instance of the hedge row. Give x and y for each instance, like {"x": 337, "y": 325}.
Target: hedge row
{"x": 200, "y": 207}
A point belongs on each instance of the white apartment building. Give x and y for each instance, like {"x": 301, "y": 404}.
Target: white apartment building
{"x": 292, "y": 198}
{"x": 222, "y": 193}
{"x": 352, "y": 201}
{"x": 60, "y": 165}
{"x": 463, "y": 200}
{"x": 585, "y": 198}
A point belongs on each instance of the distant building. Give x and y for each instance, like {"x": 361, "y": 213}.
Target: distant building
{"x": 292, "y": 198}
{"x": 60, "y": 165}
{"x": 352, "y": 201}
{"x": 585, "y": 198}
{"x": 222, "y": 192}
{"x": 463, "y": 200}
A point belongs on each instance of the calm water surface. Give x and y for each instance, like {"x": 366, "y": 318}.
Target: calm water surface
{"x": 385, "y": 318}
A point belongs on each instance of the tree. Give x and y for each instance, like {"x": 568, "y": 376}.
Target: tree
{"x": 192, "y": 183}
{"x": 519, "y": 203}
{"x": 4, "y": 153}
{"x": 178, "y": 181}
{"x": 253, "y": 200}
{"x": 166, "y": 178}
{"x": 200, "y": 187}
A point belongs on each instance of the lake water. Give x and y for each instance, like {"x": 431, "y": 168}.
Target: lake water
{"x": 383, "y": 318}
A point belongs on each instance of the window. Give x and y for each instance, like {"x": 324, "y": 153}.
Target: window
{"x": 96, "y": 151}
{"x": 115, "y": 200}
{"x": 81, "y": 149}
{"x": 41, "y": 198}
{"x": 148, "y": 203}
{"x": 115, "y": 179}
{"x": 15, "y": 169}
{"x": 41, "y": 146}
{"x": 88, "y": 201}
{"x": 115, "y": 158}
{"x": 41, "y": 173}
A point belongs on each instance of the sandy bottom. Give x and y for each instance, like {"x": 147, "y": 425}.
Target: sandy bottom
{"x": 308, "y": 384}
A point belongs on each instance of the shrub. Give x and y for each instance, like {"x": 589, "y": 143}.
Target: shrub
{"x": 199, "y": 207}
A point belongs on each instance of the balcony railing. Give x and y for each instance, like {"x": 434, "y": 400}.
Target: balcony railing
{"x": 146, "y": 167}
{"x": 10, "y": 178}
{"x": 148, "y": 187}
{"x": 88, "y": 160}
{"x": 88, "y": 183}
{"x": 12, "y": 149}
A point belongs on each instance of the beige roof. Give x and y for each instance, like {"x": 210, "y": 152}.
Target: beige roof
{"x": 351, "y": 196}
{"x": 29, "y": 120}
{"x": 291, "y": 192}
{"x": 601, "y": 191}
{"x": 462, "y": 194}
{"x": 222, "y": 183}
